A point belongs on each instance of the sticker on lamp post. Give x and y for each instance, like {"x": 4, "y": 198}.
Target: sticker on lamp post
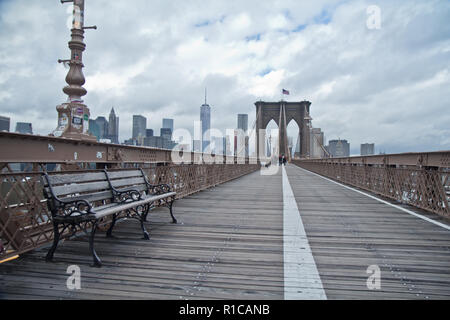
{"x": 64, "y": 120}
{"x": 77, "y": 120}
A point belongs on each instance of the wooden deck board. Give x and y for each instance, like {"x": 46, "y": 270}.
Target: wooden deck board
{"x": 228, "y": 244}
{"x": 348, "y": 232}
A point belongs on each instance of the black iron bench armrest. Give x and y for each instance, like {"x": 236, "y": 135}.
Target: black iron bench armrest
{"x": 63, "y": 209}
{"x": 159, "y": 189}
{"x": 125, "y": 196}
{"x": 156, "y": 189}
{"x": 79, "y": 209}
{"x": 122, "y": 196}
{"x": 66, "y": 208}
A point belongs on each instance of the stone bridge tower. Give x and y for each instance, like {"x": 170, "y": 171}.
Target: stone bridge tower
{"x": 283, "y": 113}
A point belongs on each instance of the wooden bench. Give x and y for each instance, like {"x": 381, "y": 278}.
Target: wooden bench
{"x": 81, "y": 200}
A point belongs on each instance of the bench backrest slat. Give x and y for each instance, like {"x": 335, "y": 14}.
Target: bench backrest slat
{"x": 127, "y": 182}
{"x": 76, "y": 177}
{"x": 139, "y": 188}
{"x": 94, "y": 186}
{"x": 124, "y": 174}
{"x": 80, "y": 188}
{"x": 91, "y": 197}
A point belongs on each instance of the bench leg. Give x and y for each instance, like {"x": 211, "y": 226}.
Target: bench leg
{"x": 56, "y": 237}
{"x": 111, "y": 227}
{"x": 142, "y": 219}
{"x": 171, "y": 213}
{"x": 97, "y": 262}
{"x": 146, "y": 234}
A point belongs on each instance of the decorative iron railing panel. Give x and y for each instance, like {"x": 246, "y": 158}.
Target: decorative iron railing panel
{"x": 24, "y": 217}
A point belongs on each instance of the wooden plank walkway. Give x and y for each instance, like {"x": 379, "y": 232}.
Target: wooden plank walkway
{"x": 348, "y": 232}
{"x": 229, "y": 245}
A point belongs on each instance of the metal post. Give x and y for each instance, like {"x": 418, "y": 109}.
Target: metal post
{"x": 73, "y": 115}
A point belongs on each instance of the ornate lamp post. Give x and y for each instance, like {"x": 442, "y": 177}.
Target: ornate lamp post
{"x": 73, "y": 115}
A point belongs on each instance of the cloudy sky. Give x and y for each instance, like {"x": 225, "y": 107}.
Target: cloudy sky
{"x": 387, "y": 85}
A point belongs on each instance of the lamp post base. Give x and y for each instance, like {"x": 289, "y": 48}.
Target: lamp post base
{"x": 73, "y": 122}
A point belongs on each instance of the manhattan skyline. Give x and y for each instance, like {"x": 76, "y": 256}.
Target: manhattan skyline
{"x": 389, "y": 86}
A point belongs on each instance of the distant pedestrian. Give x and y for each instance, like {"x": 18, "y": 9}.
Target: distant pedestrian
{"x": 284, "y": 160}
{"x": 280, "y": 160}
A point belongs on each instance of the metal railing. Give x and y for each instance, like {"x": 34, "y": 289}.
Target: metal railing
{"x": 24, "y": 218}
{"x": 418, "y": 179}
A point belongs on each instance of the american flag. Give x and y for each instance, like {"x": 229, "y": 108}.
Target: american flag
{"x": 285, "y": 92}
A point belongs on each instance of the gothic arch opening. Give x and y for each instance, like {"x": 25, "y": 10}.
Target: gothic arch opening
{"x": 294, "y": 138}
{"x": 271, "y": 143}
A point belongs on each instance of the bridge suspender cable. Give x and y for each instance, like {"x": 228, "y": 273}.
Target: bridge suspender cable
{"x": 321, "y": 146}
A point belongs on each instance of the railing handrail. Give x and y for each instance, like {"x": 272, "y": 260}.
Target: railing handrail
{"x": 49, "y": 149}
{"x": 440, "y": 159}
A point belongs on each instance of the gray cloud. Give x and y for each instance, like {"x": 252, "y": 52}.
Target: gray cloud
{"x": 388, "y": 86}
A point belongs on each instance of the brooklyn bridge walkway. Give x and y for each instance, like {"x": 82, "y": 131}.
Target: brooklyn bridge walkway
{"x": 290, "y": 235}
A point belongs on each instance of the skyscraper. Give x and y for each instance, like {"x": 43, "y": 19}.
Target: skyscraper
{"x": 367, "y": 149}
{"x": 167, "y": 129}
{"x": 149, "y": 132}
{"x": 168, "y": 124}
{"x": 205, "y": 118}
{"x": 243, "y": 125}
{"x": 24, "y": 127}
{"x": 103, "y": 127}
{"x": 243, "y": 122}
{"x": 94, "y": 129}
{"x": 139, "y": 126}
{"x": 166, "y": 133}
{"x": 290, "y": 145}
{"x": 339, "y": 148}
{"x": 218, "y": 145}
{"x": 113, "y": 130}
{"x": 4, "y": 123}
{"x": 196, "y": 146}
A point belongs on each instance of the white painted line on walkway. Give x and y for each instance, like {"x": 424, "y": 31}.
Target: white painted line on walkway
{"x": 383, "y": 201}
{"x": 301, "y": 277}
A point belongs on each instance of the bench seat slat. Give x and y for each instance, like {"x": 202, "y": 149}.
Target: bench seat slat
{"x": 103, "y": 211}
